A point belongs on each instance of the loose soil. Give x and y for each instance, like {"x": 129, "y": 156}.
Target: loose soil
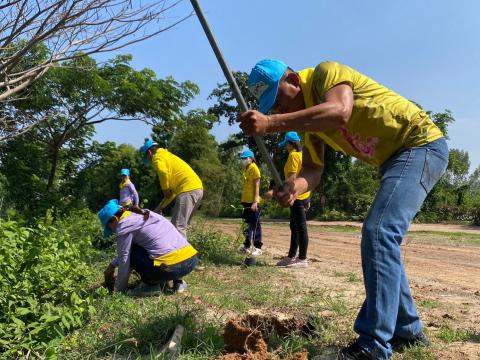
{"x": 245, "y": 337}
{"x": 444, "y": 278}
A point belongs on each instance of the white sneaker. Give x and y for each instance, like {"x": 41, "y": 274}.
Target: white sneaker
{"x": 256, "y": 252}
{"x": 285, "y": 261}
{"x": 242, "y": 249}
{"x": 180, "y": 287}
{"x": 297, "y": 263}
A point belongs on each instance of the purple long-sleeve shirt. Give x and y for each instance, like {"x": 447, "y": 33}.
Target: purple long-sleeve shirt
{"x": 128, "y": 194}
{"x": 156, "y": 235}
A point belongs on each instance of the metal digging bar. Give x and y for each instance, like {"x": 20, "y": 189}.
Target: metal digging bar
{"x": 235, "y": 89}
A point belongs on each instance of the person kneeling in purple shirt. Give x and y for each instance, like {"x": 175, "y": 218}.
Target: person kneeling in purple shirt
{"x": 149, "y": 244}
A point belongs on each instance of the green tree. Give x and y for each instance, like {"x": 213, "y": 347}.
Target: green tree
{"x": 189, "y": 138}
{"x": 79, "y": 94}
{"x": 442, "y": 120}
{"x": 226, "y": 107}
{"x": 98, "y": 180}
{"x": 71, "y": 99}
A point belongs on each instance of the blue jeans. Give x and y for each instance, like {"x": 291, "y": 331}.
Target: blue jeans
{"x": 150, "y": 274}
{"x": 388, "y": 310}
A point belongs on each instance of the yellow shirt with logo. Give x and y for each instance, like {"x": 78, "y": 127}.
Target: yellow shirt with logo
{"x": 294, "y": 165}
{"x": 381, "y": 124}
{"x": 174, "y": 173}
{"x": 250, "y": 174}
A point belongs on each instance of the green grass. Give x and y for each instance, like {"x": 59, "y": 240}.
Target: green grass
{"x": 429, "y": 303}
{"x": 444, "y": 238}
{"x": 417, "y": 353}
{"x": 349, "y": 276}
{"x": 125, "y": 327}
{"x": 129, "y": 328}
{"x": 448, "y": 334}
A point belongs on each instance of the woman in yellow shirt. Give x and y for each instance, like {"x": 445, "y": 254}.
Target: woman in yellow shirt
{"x": 298, "y": 219}
{"x": 250, "y": 200}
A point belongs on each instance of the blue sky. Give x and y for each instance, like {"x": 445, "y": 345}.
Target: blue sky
{"x": 428, "y": 51}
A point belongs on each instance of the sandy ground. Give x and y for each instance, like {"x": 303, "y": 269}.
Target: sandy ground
{"x": 443, "y": 274}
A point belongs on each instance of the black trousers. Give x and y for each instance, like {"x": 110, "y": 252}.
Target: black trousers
{"x": 298, "y": 228}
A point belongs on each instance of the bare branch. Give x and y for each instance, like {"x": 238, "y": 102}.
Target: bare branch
{"x": 71, "y": 28}
{"x": 36, "y": 34}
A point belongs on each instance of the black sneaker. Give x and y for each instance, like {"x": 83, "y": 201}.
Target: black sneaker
{"x": 398, "y": 343}
{"x": 354, "y": 352}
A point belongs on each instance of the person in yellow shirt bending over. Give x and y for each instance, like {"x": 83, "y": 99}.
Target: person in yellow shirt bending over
{"x": 178, "y": 182}
{"x": 298, "y": 219}
{"x": 250, "y": 202}
{"x": 335, "y": 104}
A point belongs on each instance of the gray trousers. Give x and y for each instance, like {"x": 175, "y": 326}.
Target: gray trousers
{"x": 185, "y": 205}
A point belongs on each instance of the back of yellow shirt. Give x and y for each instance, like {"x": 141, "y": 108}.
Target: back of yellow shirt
{"x": 382, "y": 122}
{"x": 294, "y": 165}
{"x": 174, "y": 173}
{"x": 250, "y": 174}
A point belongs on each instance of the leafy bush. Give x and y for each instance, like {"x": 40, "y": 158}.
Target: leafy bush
{"x": 43, "y": 282}
{"x": 212, "y": 245}
{"x": 271, "y": 210}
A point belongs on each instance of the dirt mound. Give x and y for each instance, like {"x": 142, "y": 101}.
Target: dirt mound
{"x": 282, "y": 324}
{"x": 242, "y": 339}
{"x": 245, "y": 337}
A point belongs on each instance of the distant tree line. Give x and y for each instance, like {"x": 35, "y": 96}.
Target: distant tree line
{"x": 57, "y": 165}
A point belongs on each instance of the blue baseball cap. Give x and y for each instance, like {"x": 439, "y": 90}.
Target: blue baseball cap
{"x": 263, "y": 82}
{"x": 147, "y": 145}
{"x": 125, "y": 172}
{"x": 106, "y": 213}
{"x": 289, "y": 136}
{"x": 246, "y": 154}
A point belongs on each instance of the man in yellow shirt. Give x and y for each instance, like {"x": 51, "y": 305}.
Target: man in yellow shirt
{"x": 178, "y": 182}
{"x": 334, "y": 104}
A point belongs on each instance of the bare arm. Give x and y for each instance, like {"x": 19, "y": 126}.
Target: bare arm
{"x": 291, "y": 176}
{"x": 307, "y": 180}
{"x": 167, "y": 199}
{"x": 109, "y": 276}
{"x": 256, "y": 196}
{"x": 331, "y": 114}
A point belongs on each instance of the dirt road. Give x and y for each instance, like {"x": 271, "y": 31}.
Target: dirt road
{"x": 444, "y": 270}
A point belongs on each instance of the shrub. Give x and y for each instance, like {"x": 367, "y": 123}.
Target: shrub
{"x": 212, "y": 245}
{"x": 43, "y": 283}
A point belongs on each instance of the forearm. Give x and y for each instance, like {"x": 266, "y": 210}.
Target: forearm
{"x": 121, "y": 283}
{"x": 308, "y": 179}
{"x": 256, "y": 197}
{"x": 323, "y": 117}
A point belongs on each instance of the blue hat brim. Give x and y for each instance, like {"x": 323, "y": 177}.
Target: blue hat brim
{"x": 268, "y": 98}
{"x": 282, "y": 143}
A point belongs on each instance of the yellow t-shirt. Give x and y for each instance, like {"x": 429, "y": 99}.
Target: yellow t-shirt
{"x": 174, "y": 173}
{"x": 250, "y": 174}
{"x": 382, "y": 122}
{"x": 294, "y": 164}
